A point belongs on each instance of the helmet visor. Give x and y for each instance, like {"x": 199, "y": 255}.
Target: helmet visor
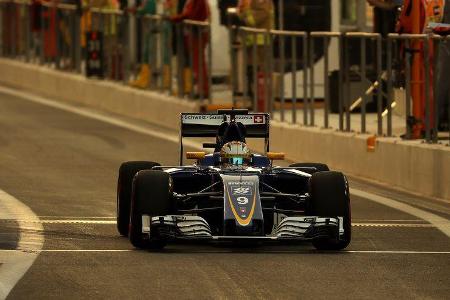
{"x": 238, "y": 161}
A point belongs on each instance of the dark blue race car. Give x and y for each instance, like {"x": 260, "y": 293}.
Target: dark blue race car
{"x": 232, "y": 194}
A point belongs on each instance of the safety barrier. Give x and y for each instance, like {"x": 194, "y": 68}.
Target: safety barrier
{"x": 367, "y": 60}
{"x": 350, "y": 81}
{"x": 96, "y": 42}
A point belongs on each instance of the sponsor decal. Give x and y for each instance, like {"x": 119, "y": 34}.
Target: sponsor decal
{"x": 241, "y": 190}
{"x": 208, "y": 119}
{"x": 241, "y": 183}
{"x": 258, "y": 119}
{"x": 310, "y": 220}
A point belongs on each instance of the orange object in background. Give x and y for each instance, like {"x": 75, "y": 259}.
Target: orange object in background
{"x": 371, "y": 143}
{"x": 417, "y": 64}
{"x": 414, "y": 18}
{"x": 49, "y": 28}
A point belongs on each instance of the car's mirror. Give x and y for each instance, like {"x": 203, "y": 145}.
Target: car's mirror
{"x": 209, "y": 145}
{"x": 275, "y": 155}
{"x": 195, "y": 155}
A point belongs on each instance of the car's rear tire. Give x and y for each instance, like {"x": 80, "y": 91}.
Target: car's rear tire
{"x": 319, "y": 167}
{"x": 124, "y": 183}
{"x": 150, "y": 196}
{"x": 329, "y": 197}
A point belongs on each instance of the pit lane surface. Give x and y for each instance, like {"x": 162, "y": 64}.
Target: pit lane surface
{"x": 64, "y": 166}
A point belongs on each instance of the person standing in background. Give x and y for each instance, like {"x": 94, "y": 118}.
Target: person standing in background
{"x": 147, "y": 7}
{"x": 36, "y": 11}
{"x": 257, "y": 14}
{"x": 385, "y": 15}
{"x": 430, "y": 11}
{"x": 196, "y": 10}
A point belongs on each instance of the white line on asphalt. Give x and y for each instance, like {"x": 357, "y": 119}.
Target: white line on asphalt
{"x": 97, "y": 116}
{"x": 15, "y": 264}
{"x": 111, "y": 222}
{"x": 410, "y": 225}
{"x": 74, "y": 217}
{"x": 441, "y": 223}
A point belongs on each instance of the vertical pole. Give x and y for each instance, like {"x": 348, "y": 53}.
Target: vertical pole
{"x": 363, "y": 80}
{"x": 245, "y": 63}
{"x": 294, "y": 79}
{"x": 231, "y": 40}
{"x": 191, "y": 61}
{"x": 267, "y": 72}
{"x": 305, "y": 79}
{"x": 163, "y": 48}
{"x": 427, "y": 90}
{"x": 255, "y": 72}
{"x": 77, "y": 42}
{"x": 117, "y": 45}
{"x": 209, "y": 69}
{"x": 436, "y": 48}
{"x": 380, "y": 86}
{"x": 389, "y": 86}
{"x": 13, "y": 35}
{"x": 200, "y": 56}
{"x": 326, "y": 42}
{"x": 57, "y": 35}
{"x": 181, "y": 59}
{"x": 27, "y": 31}
{"x": 126, "y": 52}
{"x": 282, "y": 69}
{"x": 347, "y": 86}
{"x": 280, "y": 14}
{"x": 271, "y": 68}
{"x": 341, "y": 82}
{"x": 312, "y": 80}
{"x": 42, "y": 35}
{"x": 408, "y": 89}
{"x": 170, "y": 51}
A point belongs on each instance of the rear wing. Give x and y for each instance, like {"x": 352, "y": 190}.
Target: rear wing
{"x": 207, "y": 125}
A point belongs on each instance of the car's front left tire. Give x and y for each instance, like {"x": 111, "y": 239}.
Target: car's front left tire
{"x": 330, "y": 197}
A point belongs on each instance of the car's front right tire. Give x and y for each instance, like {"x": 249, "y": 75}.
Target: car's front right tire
{"x": 124, "y": 184}
{"x": 151, "y": 196}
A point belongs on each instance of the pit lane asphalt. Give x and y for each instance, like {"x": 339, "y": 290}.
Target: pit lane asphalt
{"x": 64, "y": 167}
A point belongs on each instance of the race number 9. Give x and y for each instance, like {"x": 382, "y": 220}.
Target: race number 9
{"x": 242, "y": 200}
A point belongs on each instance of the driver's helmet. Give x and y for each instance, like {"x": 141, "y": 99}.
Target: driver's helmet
{"x": 235, "y": 153}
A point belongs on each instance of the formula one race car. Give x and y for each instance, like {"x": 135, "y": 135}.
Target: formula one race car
{"x": 232, "y": 194}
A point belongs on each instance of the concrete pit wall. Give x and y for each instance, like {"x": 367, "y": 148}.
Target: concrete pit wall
{"x": 411, "y": 166}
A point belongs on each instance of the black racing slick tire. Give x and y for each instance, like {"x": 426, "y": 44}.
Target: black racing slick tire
{"x": 124, "y": 184}
{"x": 319, "y": 167}
{"x": 151, "y": 196}
{"x": 330, "y": 197}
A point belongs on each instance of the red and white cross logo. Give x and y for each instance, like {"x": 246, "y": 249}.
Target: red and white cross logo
{"x": 258, "y": 119}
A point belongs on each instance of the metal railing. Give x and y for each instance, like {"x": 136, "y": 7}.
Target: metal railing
{"x": 364, "y": 60}
{"x": 347, "y": 81}
{"x": 55, "y": 35}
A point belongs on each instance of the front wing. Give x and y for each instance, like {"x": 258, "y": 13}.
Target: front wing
{"x": 181, "y": 227}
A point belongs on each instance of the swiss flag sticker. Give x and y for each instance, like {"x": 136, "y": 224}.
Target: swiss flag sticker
{"x": 258, "y": 119}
